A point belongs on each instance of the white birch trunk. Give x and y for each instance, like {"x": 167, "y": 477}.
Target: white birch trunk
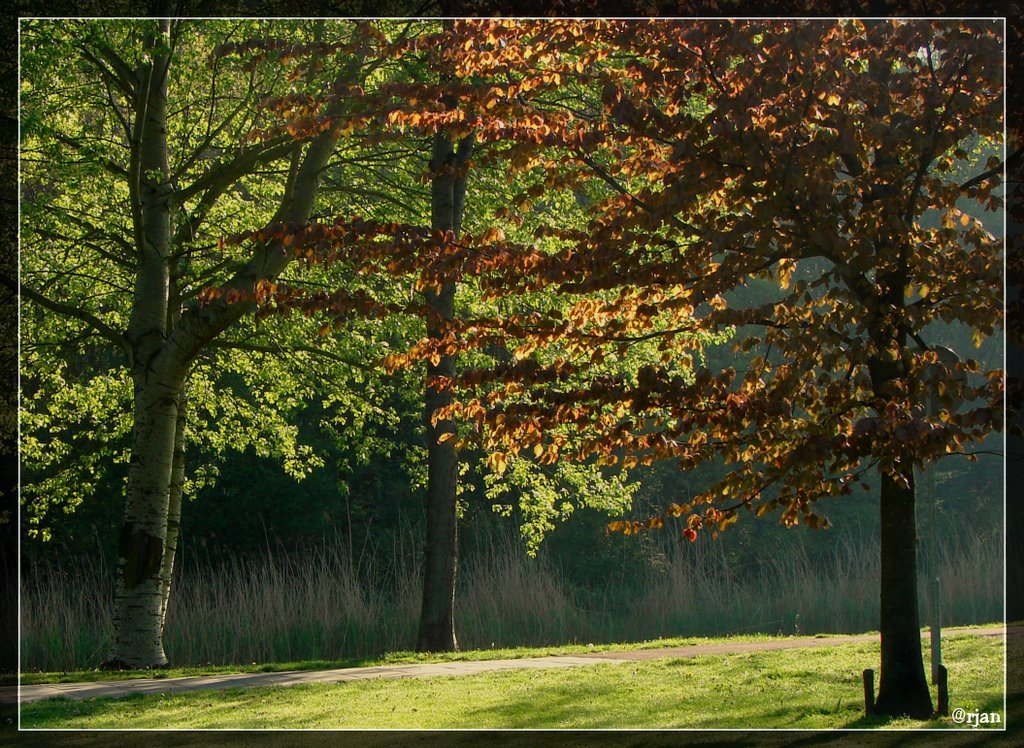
{"x": 174, "y": 499}
{"x": 163, "y": 349}
{"x": 137, "y": 641}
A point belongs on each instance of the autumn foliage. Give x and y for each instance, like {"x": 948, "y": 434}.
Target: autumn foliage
{"x": 824, "y": 157}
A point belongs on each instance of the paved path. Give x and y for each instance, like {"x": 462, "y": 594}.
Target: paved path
{"x": 467, "y": 667}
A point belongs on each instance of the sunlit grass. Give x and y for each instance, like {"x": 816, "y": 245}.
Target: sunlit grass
{"x": 800, "y": 688}
{"x": 391, "y": 658}
{"x": 404, "y": 658}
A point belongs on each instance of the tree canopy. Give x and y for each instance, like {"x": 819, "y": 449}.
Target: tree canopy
{"x": 823, "y": 155}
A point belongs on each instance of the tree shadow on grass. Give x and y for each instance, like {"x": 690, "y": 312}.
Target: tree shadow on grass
{"x": 557, "y": 709}
{"x": 52, "y": 714}
{"x": 554, "y": 706}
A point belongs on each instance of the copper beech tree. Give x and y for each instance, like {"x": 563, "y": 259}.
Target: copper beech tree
{"x": 822, "y": 156}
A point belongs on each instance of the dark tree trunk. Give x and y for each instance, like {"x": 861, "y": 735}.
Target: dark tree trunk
{"x": 437, "y": 616}
{"x": 902, "y": 690}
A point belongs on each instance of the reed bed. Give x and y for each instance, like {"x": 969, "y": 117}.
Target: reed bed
{"x": 329, "y": 602}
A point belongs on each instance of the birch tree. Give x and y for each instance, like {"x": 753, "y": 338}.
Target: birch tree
{"x": 175, "y": 158}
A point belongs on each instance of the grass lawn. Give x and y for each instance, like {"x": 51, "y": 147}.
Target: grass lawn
{"x": 808, "y": 688}
{"x": 31, "y": 678}
{"x": 391, "y": 658}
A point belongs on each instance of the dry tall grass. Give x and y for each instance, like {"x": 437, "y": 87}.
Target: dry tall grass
{"x": 329, "y": 604}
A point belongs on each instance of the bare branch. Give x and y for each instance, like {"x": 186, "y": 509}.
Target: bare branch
{"x": 221, "y": 176}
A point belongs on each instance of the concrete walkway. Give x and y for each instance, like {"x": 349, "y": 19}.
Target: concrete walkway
{"x": 427, "y": 670}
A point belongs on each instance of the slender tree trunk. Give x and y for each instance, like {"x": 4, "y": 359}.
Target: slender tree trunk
{"x": 437, "y": 616}
{"x": 177, "y": 485}
{"x": 138, "y": 619}
{"x": 174, "y": 497}
{"x": 137, "y": 638}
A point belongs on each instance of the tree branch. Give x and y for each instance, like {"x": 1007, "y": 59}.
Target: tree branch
{"x": 227, "y": 172}
{"x": 278, "y": 350}
{"x": 615, "y": 185}
{"x": 115, "y": 71}
{"x": 68, "y": 310}
{"x": 1011, "y": 160}
{"x": 219, "y": 179}
{"x": 107, "y": 163}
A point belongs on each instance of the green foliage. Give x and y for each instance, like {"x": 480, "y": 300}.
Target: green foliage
{"x": 72, "y": 433}
{"x": 546, "y": 496}
{"x": 78, "y": 248}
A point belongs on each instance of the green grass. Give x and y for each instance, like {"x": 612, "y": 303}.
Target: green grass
{"x": 801, "y": 688}
{"x": 402, "y": 658}
{"x": 392, "y": 658}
